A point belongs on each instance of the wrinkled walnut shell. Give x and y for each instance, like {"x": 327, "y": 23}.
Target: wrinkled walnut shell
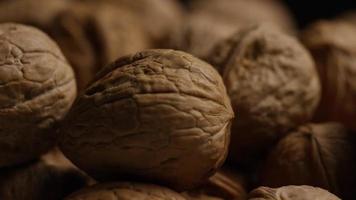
{"x": 125, "y": 191}
{"x": 291, "y": 193}
{"x": 37, "y": 88}
{"x": 273, "y": 87}
{"x": 333, "y": 45}
{"x": 147, "y": 116}
{"x": 321, "y": 155}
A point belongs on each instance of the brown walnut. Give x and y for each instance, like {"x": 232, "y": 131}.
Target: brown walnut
{"x": 161, "y": 115}
{"x": 321, "y": 155}
{"x": 37, "y": 88}
{"x": 211, "y": 21}
{"x": 291, "y": 193}
{"x": 333, "y": 45}
{"x": 273, "y": 87}
{"x": 125, "y": 191}
{"x": 225, "y": 184}
{"x": 39, "y": 180}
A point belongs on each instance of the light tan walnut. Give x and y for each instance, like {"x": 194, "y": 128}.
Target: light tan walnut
{"x": 37, "y": 88}
{"x": 160, "y": 115}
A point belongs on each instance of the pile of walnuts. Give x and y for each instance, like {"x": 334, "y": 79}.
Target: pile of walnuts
{"x": 147, "y": 99}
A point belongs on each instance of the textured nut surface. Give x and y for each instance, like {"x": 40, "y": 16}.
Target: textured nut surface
{"x": 37, "y": 87}
{"x": 333, "y": 45}
{"x": 39, "y": 180}
{"x": 125, "y": 191}
{"x": 225, "y": 184}
{"x": 159, "y": 114}
{"x": 272, "y": 83}
{"x": 93, "y": 34}
{"x": 291, "y": 193}
{"x": 319, "y": 155}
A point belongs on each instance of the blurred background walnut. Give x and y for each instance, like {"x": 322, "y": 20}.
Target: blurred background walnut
{"x": 37, "y": 89}
{"x": 321, "y": 155}
{"x": 333, "y": 45}
{"x": 291, "y": 193}
{"x": 39, "y": 180}
{"x": 125, "y": 191}
{"x": 111, "y": 131}
{"x": 225, "y": 184}
{"x": 273, "y": 87}
{"x": 210, "y": 21}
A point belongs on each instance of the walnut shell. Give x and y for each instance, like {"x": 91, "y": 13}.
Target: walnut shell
{"x": 92, "y": 35}
{"x": 241, "y": 12}
{"x": 225, "y": 184}
{"x": 321, "y": 155}
{"x": 333, "y": 45}
{"x": 291, "y": 193}
{"x": 196, "y": 36}
{"x": 39, "y": 180}
{"x": 164, "y": 107}
{"x": 273, "y": 86}
{"x": 125, "y": 191}
{"x": 37, "y": 89}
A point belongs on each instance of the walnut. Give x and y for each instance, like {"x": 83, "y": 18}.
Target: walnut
{"x": 225, "y": 184}
{"x": 92, "y": 35}
{"x": 319, "y": 155}
{"x": 161, "y": 115}
{"x": 37, "y": 89}
{"x": 273, "y": 86}
{"x": 211, "y": 21}
{"x": 39, "y": 180}
{"x": 125, "y": 191}
{"x": 333, "y": 45}
{"x": 291, "y": 193}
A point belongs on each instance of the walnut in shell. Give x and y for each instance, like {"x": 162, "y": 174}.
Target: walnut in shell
{"x": 273, "y": 86}
{"x": 321, "y": 155}
{"x": 37, "y": 88}
{"x": 39, "y": 180}
{"x": 92, "y": 35}
{"x": 160, "y": 115}
{"x": 125, "y": 191}
{"x": 303, "y": 192}
{"x": 333, "y": 45}
{"x": 225, "y": 184}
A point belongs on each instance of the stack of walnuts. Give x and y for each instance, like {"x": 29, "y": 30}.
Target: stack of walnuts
{"x": 146, "y": 99}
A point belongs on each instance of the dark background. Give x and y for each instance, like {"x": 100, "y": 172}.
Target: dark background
{"x": 306, "y": 11}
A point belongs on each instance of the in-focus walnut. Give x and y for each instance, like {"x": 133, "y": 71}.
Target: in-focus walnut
{"x": 225, "y": 184}
{"x": 273, "y": 86}
{"x": 321, "y": 155}
{"x": 160, "y": 115}
{"x": 92, "y": 35}
{"x": 37, "y": 88}
{"x": 39, "y": 180}
{"x": 125, "y": 191}
{"x": 333, "y": 45}
{"x": 303, "y": 192}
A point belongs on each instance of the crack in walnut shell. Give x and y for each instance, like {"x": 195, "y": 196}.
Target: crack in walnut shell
{"x": 273, "y": 86}
{"x": 161, "y": 115}
{"x": 37, "y": 88}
